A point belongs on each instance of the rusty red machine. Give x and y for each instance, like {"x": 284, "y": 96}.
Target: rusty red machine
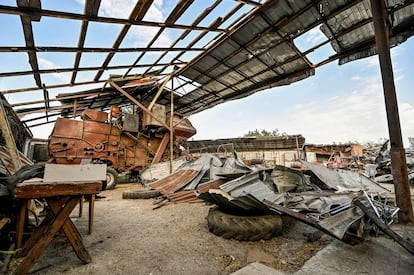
{"x": 125, "y": 142}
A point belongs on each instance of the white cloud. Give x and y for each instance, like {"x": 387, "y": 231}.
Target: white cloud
{"x": 139, "y": 36}
{"x": 315, "y": 36}
{"x": 46, "y": 64}
{"x": 359, "y": 115}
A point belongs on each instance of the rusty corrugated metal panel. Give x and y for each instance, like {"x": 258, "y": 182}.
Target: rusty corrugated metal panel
{"x": 247, "y": 144}
{"x": 175, "y": 181}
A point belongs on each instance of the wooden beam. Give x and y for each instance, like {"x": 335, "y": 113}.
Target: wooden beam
{"x": 154, "y": 100}
{"x": 139, "y": 104}
{"x": 161, "y": 149}
{"x": 101, "y": 19}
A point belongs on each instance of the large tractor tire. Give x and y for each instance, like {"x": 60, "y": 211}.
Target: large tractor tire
{"x": 243, "y": 228}
{"x": 140, "y": 194}
{"x": 111, "y": 178}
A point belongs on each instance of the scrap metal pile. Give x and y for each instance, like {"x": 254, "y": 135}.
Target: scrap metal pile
{"x": 338, "y": 202}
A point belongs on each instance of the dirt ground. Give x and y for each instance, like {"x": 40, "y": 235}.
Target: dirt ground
{"x": 130, "y": 237}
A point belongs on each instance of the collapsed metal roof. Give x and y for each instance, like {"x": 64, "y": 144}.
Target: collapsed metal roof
{"x": 224, "y": 51}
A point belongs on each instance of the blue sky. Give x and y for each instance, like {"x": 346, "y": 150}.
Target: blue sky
{"x": 338, "y": 104}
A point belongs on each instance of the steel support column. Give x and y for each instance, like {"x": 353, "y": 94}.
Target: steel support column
{"x": 398, "y": 159}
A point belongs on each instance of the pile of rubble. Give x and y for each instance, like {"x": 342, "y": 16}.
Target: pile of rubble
{"x": 345, "y": 204}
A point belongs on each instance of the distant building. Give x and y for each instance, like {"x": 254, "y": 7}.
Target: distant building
{"x": 335, "y": 155}
{"x": 270, "y": 150}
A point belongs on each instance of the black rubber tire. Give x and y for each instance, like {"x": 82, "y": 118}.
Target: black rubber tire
{"x": 140, "y": 194}
{"x": 243, "y": 228}
{"x": 111, "y": 178}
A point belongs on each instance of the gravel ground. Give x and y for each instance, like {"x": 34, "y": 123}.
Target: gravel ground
{"x": 130, "y": 237}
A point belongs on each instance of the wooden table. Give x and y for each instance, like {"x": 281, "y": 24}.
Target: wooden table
{"x": 61, "y": 199}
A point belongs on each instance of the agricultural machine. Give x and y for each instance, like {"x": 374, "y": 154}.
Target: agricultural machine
{"x": 125, "y": 142}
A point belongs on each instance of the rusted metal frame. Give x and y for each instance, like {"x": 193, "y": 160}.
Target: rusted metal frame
{"x": 91, "y": 9}
{"x": 278, "y": 25}
{"x": 225, "y": 18}
{"x": 249, "y": 2}
{"x": 137, "y": 13}
{"x": 139, "y": 104}
{"x": 63, "y": 70}
{"x": 178, "y": 10}
{"x": 295, "y": 58}
{"x": 184, "y": 34}
{"x": 29, "y": 40}
{"x": 51, "y": 87}
{"x": 92, "y": 49}
{"x": 223, "y": 37}
{"x": 195, "y": 40}
{"x": 279, "y": 77}
{"x": 8, "y": 137}
{"x": 181, "y": 6}
{"x": 41, "y": 110}
{"x": 398, "y": 158}
{"x": 240, "y": 93}
{"x": 54, "y": 99}
{"x": 288, "y": 42}
{"x": 23, "y": 11}
{"x": 325, "y": 21}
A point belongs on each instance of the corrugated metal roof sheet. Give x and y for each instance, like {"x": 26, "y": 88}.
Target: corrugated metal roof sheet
{"x": 246, "y": 144}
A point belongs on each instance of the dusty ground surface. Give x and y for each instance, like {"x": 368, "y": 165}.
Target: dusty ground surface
{"x": 131, "y": 238}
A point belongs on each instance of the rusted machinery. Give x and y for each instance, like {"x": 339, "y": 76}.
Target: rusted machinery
{"x": 125, "y": 142}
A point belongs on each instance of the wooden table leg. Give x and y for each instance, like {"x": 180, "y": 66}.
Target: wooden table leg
{"x": 47, "y": 236}
{"x": 21, "y": 217}
{"x": 72, "y": 234}
{"x": 81, "y": 206}
{"x": 36, "y": 236}
{"x": 91, "y": 213}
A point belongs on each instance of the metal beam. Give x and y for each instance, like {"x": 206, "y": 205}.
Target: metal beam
{"x": 398, "y": 159}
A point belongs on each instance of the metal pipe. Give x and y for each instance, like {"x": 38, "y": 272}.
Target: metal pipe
{"x": 398, "y": 159}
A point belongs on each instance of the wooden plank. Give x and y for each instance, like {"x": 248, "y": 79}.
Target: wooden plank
{"x": 34, "y": 190}
{"x": 70, "y": 231}
{"x": 91, "y": 213}
{"x": 35, "y": 237}
{"x": 47, "y": 236}
{"x": 4, "y": 221}
{"x": 20, "y": 222}
{"x": 161, "y": 149}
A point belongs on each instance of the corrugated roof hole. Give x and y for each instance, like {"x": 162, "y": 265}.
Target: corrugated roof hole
{"x": 314, "y": 39}
{"x": 184, "y": 86}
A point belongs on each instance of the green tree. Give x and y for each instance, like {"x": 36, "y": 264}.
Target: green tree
{"x": 262, "y": 133}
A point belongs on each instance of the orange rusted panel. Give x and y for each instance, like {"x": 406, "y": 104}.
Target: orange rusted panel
{"x": 68, "y": 128}
{"x": 94, "y": 115}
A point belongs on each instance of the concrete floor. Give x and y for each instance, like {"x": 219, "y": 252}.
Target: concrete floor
{"x": 379, "y": 255}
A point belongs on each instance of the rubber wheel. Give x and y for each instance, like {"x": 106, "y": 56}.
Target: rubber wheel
{"x": 140, "y": 194}
{"x": 111, "y": 178}
{"x": 243, "y": 228}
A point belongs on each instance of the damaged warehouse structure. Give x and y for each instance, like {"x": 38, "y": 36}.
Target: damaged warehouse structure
{"x": 133, "y": 116}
